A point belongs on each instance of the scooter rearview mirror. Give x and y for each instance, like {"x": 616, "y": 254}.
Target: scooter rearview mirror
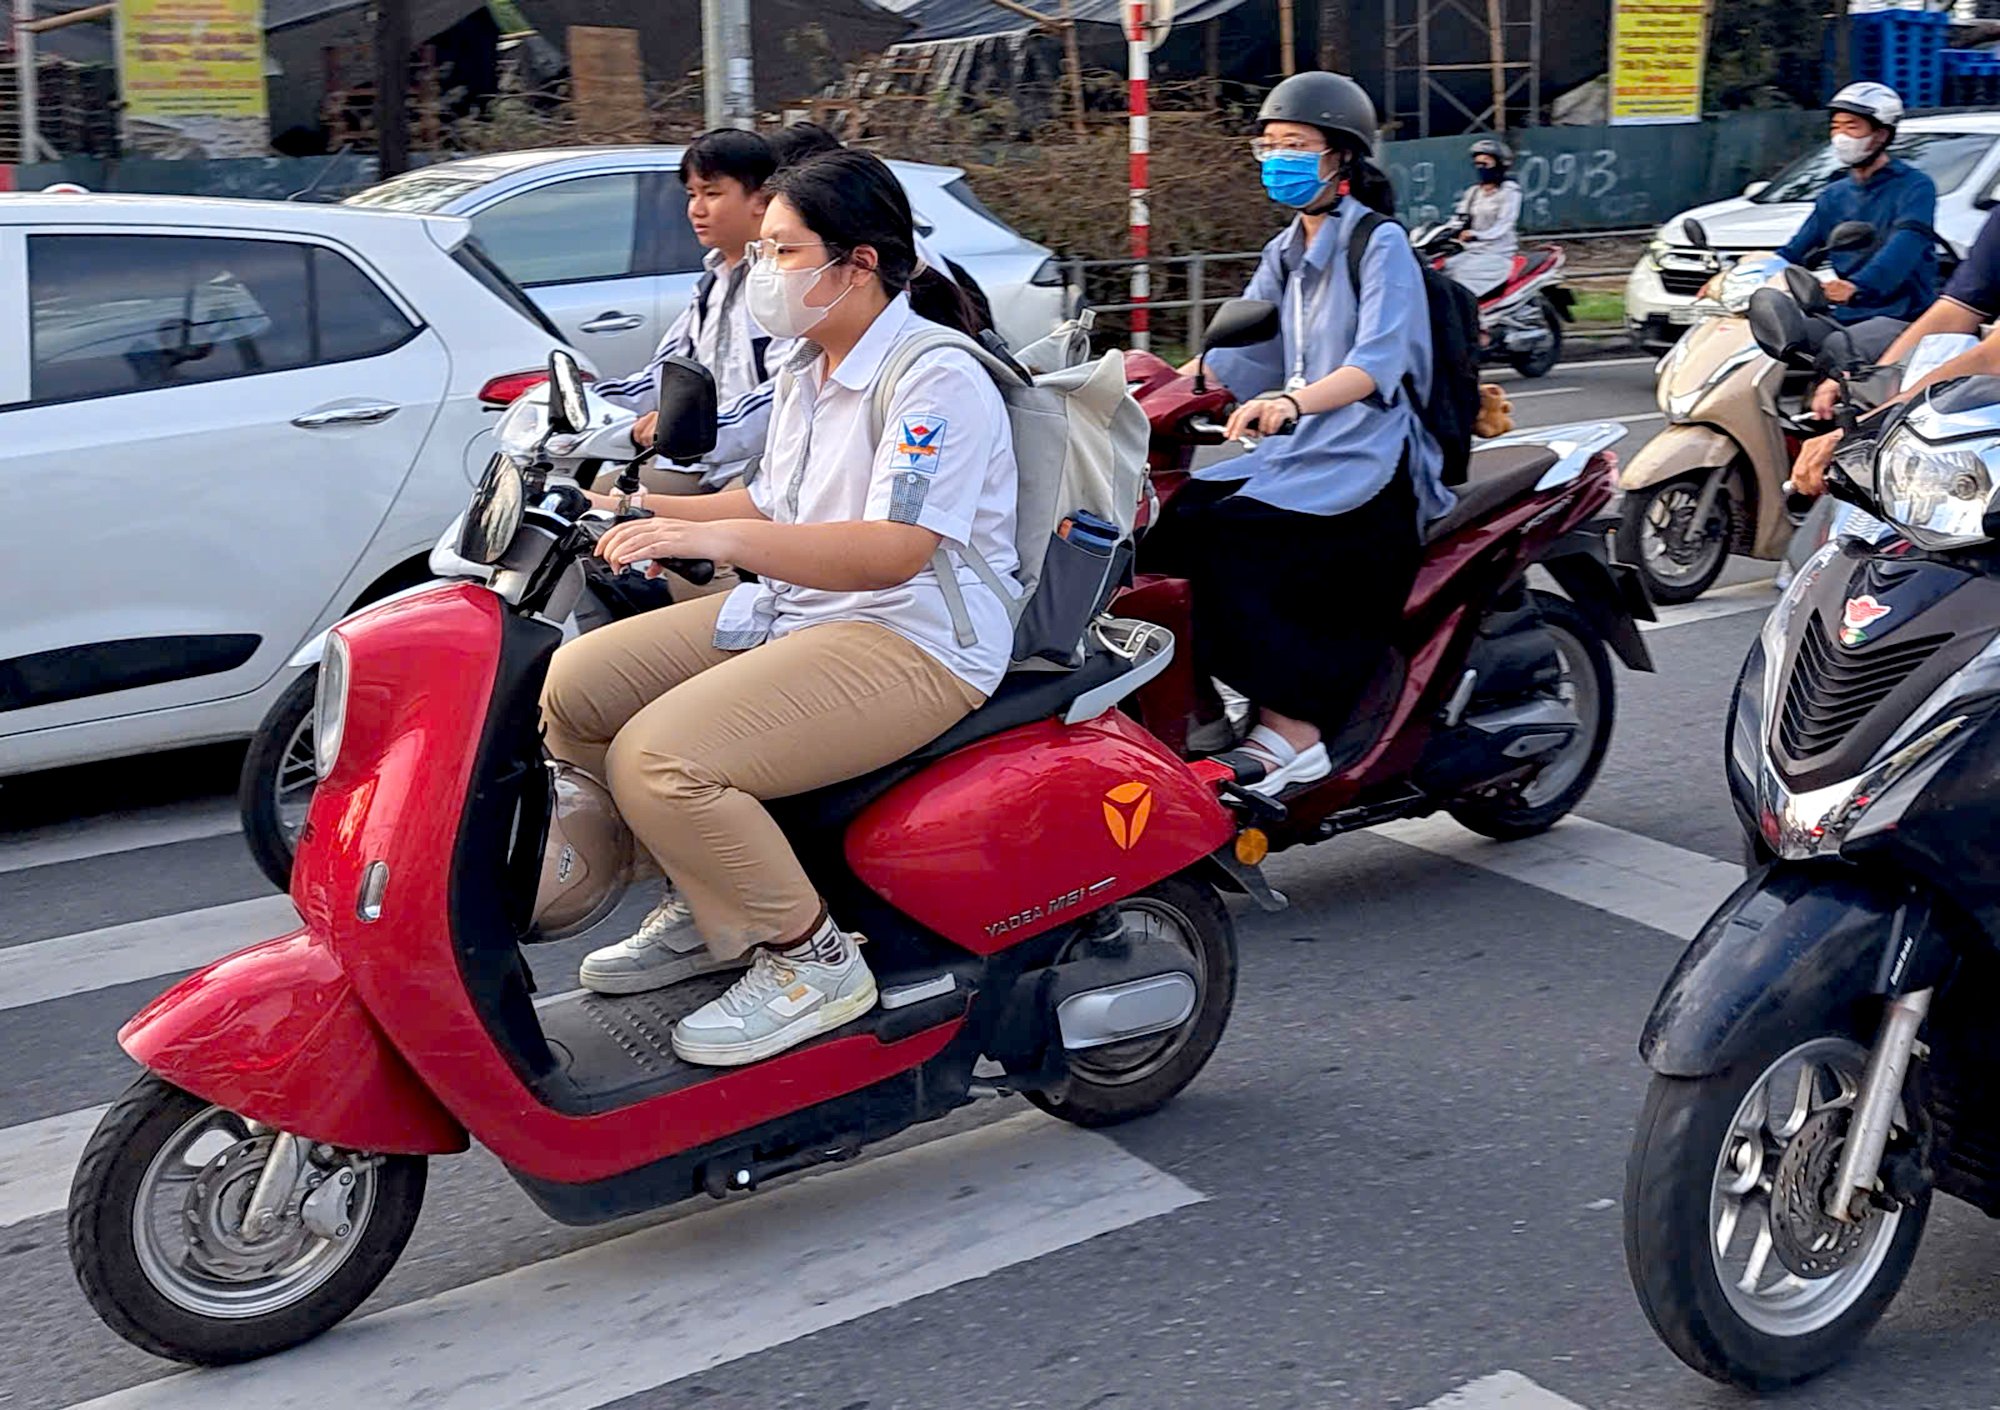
{"x": 1807, "y": 291}
{"x": 1695, "y": 234}
{"x": 685, "y": 430}
{"x": 1779, "y": 326}
{"x": 1242, "y": 323}
{"x": 567, "y": 412}
{"x": 1851, "y": 235}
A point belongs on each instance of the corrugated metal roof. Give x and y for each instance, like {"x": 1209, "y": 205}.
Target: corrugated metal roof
{"x": 970, "y": 19}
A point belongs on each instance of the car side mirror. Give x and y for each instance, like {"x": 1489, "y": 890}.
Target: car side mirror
{"x": 1851, "y": 235}
{"x": 1779, "y": 326}
{"x": 685, "y": 430}
{"x": 1806, "y": 291}
{"x": 567, "y": 412}
{"x": 1695, "y": 234}
{"x": 1242, "y": 323}
{"x": 1755, "y": 189}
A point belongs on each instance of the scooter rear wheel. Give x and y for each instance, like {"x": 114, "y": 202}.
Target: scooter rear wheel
{"x": 1123, "y": 1080}
{"x": 156, "y": 1234}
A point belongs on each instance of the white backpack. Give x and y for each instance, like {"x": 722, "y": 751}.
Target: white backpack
{"x": 1080, "y": 441}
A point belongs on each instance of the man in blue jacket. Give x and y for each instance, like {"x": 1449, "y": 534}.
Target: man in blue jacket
{"x": 1896, "y": 276}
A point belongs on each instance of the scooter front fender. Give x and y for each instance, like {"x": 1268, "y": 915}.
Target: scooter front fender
{"x": 1796, "y": 938}
{"x": 1677, "y": 451}
{"x": 277, "y": 1034}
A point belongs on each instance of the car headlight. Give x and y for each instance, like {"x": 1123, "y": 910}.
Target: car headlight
{"x": 330, "y": 706}
{"x": 1936, "y": 495}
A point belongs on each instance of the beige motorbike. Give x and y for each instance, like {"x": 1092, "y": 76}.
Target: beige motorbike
{"x": 1712, "y": 482}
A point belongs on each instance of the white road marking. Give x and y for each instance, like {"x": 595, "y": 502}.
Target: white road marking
{"x": 37, "y": 1161}
{"x": 1628, "y": 418}
{"x": 1640, "y": 878}
{"x": 1505, "y": 1390}
{"x": 1732, "y": 601}
{"x": 42, "y": 970}
{"x": 1546, "y": 392}
{"x": 652, "y": 1307}
{"x": 124, "y": 832}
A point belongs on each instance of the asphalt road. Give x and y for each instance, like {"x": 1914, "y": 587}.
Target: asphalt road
{"x": 1398, "y": 1180}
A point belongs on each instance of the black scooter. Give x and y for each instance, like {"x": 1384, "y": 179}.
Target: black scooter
{"x": 1825, "y": 1053}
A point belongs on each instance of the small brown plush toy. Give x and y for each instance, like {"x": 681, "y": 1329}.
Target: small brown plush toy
{"x": 1496, "y": 413}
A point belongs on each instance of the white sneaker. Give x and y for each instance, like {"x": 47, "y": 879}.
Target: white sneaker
{"x": 787, "y": 998}
{"x": 666, "y": 950}
{"x": 1284, "y": 767}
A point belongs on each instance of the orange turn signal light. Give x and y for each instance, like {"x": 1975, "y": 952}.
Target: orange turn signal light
{"x": 1252, "y": 846}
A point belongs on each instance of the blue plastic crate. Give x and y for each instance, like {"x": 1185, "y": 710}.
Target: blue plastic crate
{"x": 1904, "y": 49}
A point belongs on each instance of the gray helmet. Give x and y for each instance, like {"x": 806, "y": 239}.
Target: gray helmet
{"x": 1493, "y": 147}
{"x": 1332, "y": 102}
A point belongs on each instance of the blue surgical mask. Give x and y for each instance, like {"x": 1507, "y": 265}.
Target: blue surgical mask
{"x": 1293, "y": 179}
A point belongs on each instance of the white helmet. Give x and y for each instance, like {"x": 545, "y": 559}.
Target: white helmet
{"x": 1877, "y": 102}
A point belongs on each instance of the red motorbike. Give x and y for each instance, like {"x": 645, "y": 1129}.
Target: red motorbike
{"x": 1038, "y": 887}
{"x": 1498, "y": 702}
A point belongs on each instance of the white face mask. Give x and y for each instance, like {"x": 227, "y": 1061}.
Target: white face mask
{"x": 1853, "y": 151}
{"x": 777, "y": 298}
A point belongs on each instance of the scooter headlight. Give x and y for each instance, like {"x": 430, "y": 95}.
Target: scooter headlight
{"x": 330, "y": 706}
{"x": 1937, "y": 495}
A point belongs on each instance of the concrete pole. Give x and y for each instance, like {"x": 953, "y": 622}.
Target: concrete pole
{"x": 24, "y": 81}
{"x": 729, "y": 95}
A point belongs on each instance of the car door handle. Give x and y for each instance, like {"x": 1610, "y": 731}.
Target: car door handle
{"x": 366, "y": 414}
{"x": 613, "y": 322}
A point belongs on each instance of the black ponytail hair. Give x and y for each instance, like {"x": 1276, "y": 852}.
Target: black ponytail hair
{"x": 850, "y": 198}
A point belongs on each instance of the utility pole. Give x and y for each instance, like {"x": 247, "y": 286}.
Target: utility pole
{"x": 392, "y": 86}
{"x": 1139, "y": 149}
{"x": 729, "y": 95}
{"x": 25, "y": 95}
{"x": 1288, "y": 30}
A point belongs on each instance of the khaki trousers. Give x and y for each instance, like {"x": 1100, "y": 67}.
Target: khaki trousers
{"x": 691, "y": 739}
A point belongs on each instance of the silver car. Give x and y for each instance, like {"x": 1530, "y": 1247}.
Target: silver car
{"x": 599, "y": 237}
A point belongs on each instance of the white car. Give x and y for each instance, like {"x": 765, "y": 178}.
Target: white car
{"x": 226, "y": 424}
{"x": 599, "y": 237}
{"x": 1960, "y": 152}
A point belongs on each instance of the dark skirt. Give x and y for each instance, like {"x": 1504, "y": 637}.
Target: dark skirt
{"x": 1295, "y": 611}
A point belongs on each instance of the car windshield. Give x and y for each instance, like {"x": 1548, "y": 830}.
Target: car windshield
{"x": 1947, "y": 158}
{"x": 420, "y": 192}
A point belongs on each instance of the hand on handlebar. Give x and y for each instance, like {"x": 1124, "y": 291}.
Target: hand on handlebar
{"x": 1262, "y": 416}
{"x": 1809, "y": 471}
{"x": 1825, "y": 396}
{"x": 668, "y": 543}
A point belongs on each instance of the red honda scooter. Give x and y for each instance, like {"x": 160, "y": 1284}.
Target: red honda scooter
{"x": 1038, "y": 887}
{"x": 1498, "y": 701}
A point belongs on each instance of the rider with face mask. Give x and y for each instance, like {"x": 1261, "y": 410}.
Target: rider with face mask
{"x": 1487, "y": 220}
{"x": 1303, "y": 552}
{"x": 842, "y": 658}
{"x": 1896, "y": 276}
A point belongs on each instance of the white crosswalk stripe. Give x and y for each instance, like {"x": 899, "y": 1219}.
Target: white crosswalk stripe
{"x": 745, "y": 1277}
{"x": 870, "y": 1236}
{"x": 126, "y": 832}
{"x": 146, "y": 949}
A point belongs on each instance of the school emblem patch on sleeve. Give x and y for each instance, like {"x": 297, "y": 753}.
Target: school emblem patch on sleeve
{"x": 921, "y": 444}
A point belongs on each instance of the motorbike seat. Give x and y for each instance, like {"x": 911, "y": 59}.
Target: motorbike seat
{"x": 1494, "y": 479}
{"x": 1023, "y": 697}
{"x": 1530, "y": 264}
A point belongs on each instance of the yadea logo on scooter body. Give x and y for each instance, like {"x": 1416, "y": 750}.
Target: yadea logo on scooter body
{"x": 1127, "y": 810}
{"x": 1860, "y": 614}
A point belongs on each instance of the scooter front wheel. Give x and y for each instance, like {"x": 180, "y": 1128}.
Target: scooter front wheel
{"x": 1735, "y": 1261}
{"x": 161, "y": 1244}
{"x": 1121, "y": 1081}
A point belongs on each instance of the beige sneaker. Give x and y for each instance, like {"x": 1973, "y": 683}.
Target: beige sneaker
{"x": 785, "y": 999}
{"x": 665, "y": 950}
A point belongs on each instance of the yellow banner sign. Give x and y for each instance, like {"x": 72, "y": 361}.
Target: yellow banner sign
{"x": 1657, "y": 48}
{"x": 192, "y": 76}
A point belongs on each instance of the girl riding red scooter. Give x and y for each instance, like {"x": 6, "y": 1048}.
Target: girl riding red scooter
{"x": 1038, "y": 887}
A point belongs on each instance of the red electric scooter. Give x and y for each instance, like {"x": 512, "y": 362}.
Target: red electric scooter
{"x": 1038, "y": 887}
{"x": 1498, "y": 701}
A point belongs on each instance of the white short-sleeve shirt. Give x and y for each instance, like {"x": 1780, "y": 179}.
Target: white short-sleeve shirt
{"x": 944, "y": 462}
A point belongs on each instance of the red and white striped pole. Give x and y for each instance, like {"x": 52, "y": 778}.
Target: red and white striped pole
{"x": 1141, "y": 145}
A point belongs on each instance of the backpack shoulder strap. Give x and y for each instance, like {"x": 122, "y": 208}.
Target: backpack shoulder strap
{"x": 703, "y": 287}
{"x": 1357, "y": 246}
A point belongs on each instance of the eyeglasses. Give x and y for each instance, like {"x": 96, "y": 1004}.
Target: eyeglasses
{"x": 760, "y": 251}
{"x": 1262, "y": 147}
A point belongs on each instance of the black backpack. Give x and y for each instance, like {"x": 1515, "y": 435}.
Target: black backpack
{"x": 1453, "y": 405}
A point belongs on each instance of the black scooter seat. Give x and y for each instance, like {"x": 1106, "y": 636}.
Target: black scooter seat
{"x": 1495, "y": 479}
